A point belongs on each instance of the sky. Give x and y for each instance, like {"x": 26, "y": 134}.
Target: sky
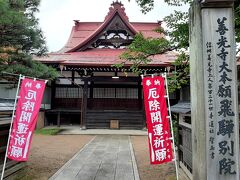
{"x": 56, "y": 16}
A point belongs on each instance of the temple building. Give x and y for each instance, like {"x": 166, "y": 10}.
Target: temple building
{"x": 90, "y": 91}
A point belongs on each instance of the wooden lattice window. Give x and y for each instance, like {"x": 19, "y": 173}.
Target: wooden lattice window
{"x": 123, "y": 93}
{"x": 68, "y": 92}
{"x": 132, "y": 93}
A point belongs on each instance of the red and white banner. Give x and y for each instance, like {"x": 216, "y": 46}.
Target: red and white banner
{"x": 159, "y": 136}
{"x": 27, "y": 108}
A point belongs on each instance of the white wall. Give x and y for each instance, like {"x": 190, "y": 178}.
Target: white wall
{"x": 8, "y": 92}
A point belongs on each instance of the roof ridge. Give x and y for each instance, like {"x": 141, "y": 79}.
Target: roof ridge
{"x": 119, "y": 7}
{"x": 116, "y": 9}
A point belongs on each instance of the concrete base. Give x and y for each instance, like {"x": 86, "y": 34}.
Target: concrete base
{"x": 78, "y": 130}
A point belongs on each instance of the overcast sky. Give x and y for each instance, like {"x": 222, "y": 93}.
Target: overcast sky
{"x": 56, "y": 16}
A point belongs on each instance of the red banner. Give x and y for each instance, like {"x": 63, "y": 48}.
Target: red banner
{"x": 159, "y": 136}
{"x": 27, "y": 108}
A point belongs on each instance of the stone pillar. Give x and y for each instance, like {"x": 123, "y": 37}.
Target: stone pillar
{"x": 215, "y": 131}
{"x": 197, "y": 101}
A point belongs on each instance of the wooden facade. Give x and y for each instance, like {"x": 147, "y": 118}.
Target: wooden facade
{"x": 97, "y": 101}
{"x": 90, "y": 91}
{"x": 6, "y": 108}
{"x": 183, "y": 111}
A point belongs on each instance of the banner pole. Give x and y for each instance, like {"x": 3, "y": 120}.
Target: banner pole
{"x": 10, "y": 130}
{"x": 170, "y": 118}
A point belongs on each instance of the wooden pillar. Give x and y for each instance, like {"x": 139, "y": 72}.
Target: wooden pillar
{"x": 58, "y": 118}
{"x": 73, "y": 77}
{"x": 215, "y": 133}
{"x": 91, "y": 89}
{"x": 140, "y": 101}
{"x": 140, "y": 95}
{"x": 53, "y": 93}
{"x": 84, "y": 110}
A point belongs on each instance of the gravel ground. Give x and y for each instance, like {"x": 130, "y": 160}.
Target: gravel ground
{"x": 147, "y": 171}
{"x": 49, "y": 153}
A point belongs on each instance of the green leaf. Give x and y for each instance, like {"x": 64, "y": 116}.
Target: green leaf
{"x": 20, "y": 37}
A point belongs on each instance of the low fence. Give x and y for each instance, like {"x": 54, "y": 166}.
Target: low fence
{"x": 185, "y": 145}
{"x": 5, "y": 119}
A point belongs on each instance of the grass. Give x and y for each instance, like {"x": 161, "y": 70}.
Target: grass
{"x": 25, "y": 177}
{"x": 53, "y": 131}
{"x": 172, "y": 178}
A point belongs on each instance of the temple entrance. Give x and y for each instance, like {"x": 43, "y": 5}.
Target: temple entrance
{"x": 115, "y": 101}
{"x": 66, "y": 106}
{"x": 109, "y": 93}
{"x": 96, "y": 103}
{"x": 114, "y": 97}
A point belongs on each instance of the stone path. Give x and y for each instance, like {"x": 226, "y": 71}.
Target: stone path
{"x": 106, "y": 157}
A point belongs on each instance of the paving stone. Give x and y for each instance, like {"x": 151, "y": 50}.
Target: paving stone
{"x": 124, "y": 172}
{"x": 106, "y": 171}
{"x": 88, "y": 171}
{"x": 67, "y": 174}
{"x": 107, "y": 157}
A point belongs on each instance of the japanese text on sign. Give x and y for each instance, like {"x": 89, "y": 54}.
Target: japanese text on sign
{"x": 220, "y": 94}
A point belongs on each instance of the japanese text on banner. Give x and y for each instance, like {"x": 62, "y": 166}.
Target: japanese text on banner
{"x": 28, "y": 105}
{"x": 159, "y": 135}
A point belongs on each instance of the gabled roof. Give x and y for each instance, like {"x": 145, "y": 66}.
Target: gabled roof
{"x": 82, "y": 30}
{"x": 117, "y": 11}
{"x": 83, "y": 34}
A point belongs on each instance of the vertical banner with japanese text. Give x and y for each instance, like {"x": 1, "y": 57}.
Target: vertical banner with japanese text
{"x": 27, "y": 108}
{"x": 159, "y": 136}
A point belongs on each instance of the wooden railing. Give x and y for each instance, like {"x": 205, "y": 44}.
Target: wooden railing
{"x": 11, "y": 166}
{"x": 68, "y": 103}
{"x": 185, "y": 146}
{"x": 98, "y": 104}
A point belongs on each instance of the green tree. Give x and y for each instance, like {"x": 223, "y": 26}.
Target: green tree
{"x": 142, "y": 49}
{"x": 237, "y": 22}
{"x": 21, "y": 38}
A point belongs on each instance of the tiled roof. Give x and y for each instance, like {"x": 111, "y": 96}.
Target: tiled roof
{"x": 181, "y": 107}
{"x": 83, "y": 32}
{"x": 6, "y": 104}
{"x": 101, "y": 57}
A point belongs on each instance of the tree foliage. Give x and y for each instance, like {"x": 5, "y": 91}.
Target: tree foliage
{"x": 237, "y": 22}
{"x": 20, "y": 38}
{"x": 143, "y": 49}
{"x": 148, "y": 5}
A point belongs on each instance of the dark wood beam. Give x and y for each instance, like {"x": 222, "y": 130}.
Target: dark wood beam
{"x": 110, "y": 79}
{"x": 58, "y": 119}
{"x": 85, "y": 99}
{"x": 53, "y": 93}
{"x": 73, "y": 76}
{"x": 91, "y": 89}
